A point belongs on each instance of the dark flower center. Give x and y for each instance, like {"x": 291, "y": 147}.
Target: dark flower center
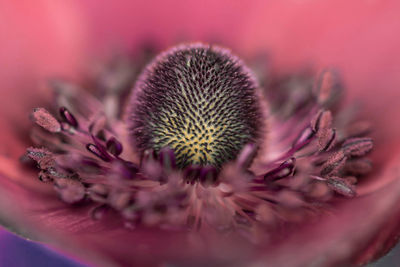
{"x": 196, "y": 108}
{"x": 199, "y": 101}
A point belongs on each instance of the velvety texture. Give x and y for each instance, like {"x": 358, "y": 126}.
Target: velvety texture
{"x": 48, "y": 38}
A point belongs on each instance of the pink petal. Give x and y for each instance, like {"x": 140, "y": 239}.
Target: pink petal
{"x": 125, "y": 24}
{"x": 359, "y": 231}
{"x": 38, "y": 39}
{"x": 354, "y": 37}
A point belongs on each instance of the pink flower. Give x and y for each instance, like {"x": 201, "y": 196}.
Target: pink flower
{"x": 51, "y": 39}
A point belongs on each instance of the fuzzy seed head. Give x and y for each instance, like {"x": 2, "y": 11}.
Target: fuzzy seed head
{"x": 198, "y": 100}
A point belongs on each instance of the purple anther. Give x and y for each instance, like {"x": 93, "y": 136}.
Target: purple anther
{"x": 284, "y": 170}
{"x": 303, "y": 139}
{"x": 68, "y": 117}
{"x": 45, "y": 177}
{"x": 100, "y": 146}
{"x": 114, "y": 146}
{"x": 98, "y": 152}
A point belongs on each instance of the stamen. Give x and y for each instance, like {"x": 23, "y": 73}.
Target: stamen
{"x": 285, "y": 169}
{"x": 327, "y": 140}
{"x": 322, "y": 122}
{"x": 70, "y": 191}
{"x": 44, "y": 119}
{"x": 68, "y": 117}
{"x": 40, "y": 155}
{"x": 114, "y": 146}
{"x": 303, "y": 139}
{"x": 334, "y": 164}
{"x": 327, "y": 87}
{"x": 98, "y": 152}
{"x": 45, "y": 177}
{"x": 341, "y": 186}
{"x": 357, "y": 147}
{"x": 322, "y": 125}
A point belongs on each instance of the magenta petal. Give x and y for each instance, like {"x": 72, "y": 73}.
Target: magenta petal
{"x": 356, "y": 38}
{"x": 38, "y": 40}
{"x": 353, "y": 232}
{"x": 42, "y": 217}
{"x": 359, "y": 231}
{"x": 126, "y": 24}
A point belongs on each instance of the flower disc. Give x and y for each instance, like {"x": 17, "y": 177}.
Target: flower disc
{"x": 198, "y": 100}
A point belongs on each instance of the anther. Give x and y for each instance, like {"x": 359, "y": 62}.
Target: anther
{"x": 322, "y": 121}
{"x": 334, "y": 164}
{"x": 326, "y": 140}
{"x": 321, "y": 124}
{"x": 44, "y": 119}
{"x": 357, "y": 147}
{"x": 341, "y": 186}
{"x": 285, "y": 169}
{"x": 70, "y": 191}
{"x": 98, "y": 152}
{"x": 303, "y": 139}
{"x": 327, "y": 87}
{"x": 68, "y": 117}
{"x": 45, "y": 177}
{"x": 114, "y": 146}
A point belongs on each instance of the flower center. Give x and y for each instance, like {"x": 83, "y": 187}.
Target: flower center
{"x": 197, "y": 107}
{"x": 197, "y": 100}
